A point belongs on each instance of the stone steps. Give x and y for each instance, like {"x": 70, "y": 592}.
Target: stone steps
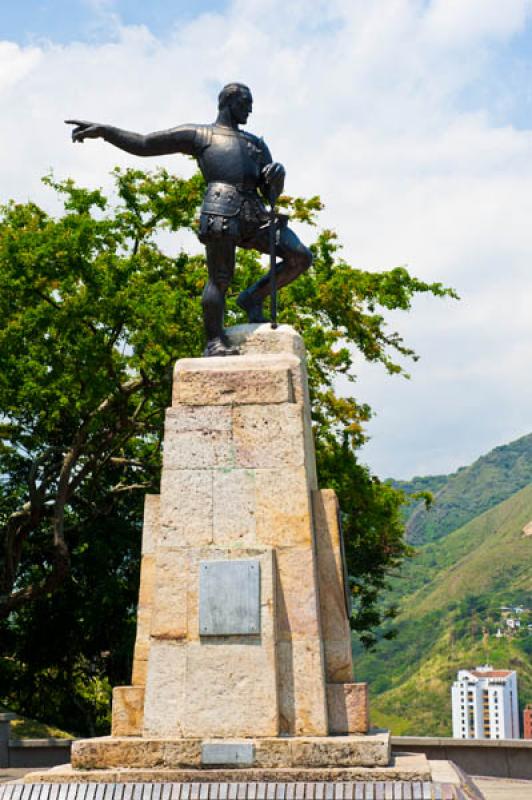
{"x": 253, "y": 790}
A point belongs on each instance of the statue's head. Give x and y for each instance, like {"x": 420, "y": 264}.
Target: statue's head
{"x": 237, "y": 97}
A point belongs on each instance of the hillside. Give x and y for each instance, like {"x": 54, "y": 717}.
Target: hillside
{"x": 469, "y": 491}
{"x": 449, "y": 601}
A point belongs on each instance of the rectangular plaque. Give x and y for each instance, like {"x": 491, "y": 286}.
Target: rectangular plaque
{"x": 230, "y": 754}
{"x": 229, "y": 598}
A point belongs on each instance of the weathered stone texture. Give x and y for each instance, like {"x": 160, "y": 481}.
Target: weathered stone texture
{"x": 270, "y": 752}
{"x": 297, "y": 595}
{"x": 233, "y": 692}
{"x": 348, "y": 707}
{"x": 165, "y": 689}
{"x": 150, "y": 536}
{"x": 268, "y": 436}
{"x": 128, "y": 710}
{"x": 182, "y": 418}
{"x": 220, "y": 686}
{"x": 302, "y": 701}
{"x": 283, "y": 513}
{"x": 169, "y": 616}
{"x": 198, "y": 450}
{"x": 260, "y": 781}
{"x": 258, "y": 339}
{"x": 234, "y": 507}
{"x": 186, "y": 508}
{"x": 150, "y": 529}
{"x": 207, "y": 382}
{"x": 334, "y": 620}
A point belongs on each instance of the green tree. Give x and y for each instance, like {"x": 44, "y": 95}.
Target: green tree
{"x": 93, "y": 315}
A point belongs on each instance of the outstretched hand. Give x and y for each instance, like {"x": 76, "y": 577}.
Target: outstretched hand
{"x": 85, "y": 130}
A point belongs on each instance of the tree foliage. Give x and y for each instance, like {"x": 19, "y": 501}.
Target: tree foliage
{"x": 93, "y": 315}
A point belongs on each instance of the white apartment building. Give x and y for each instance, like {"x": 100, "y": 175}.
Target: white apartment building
{"x": 485, "y": 704}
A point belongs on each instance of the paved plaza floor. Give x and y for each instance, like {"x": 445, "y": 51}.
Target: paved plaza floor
{"x": 504, "y": 789}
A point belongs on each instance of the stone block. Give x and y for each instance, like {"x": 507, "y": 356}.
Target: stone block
{"x": 341, "y": 751}
{"x": 283, "y": 515}
{"x": 144, "y": 614}
{"x": 147, "y": 577}
{"x": 186, "y": 508}
{"x": 165, "y": 689}
{"x": 183, "y": 418}
{"x": 280, "y": 782}
{"x": 297, "y": 598}
{"x": 302, "y": 701}
{"x": 142, "y": 649}
{"x": 198, "y": 450}
{"x": 150, "y": 530}
{"x": 234, "y": 507}
{"x": 139, "y": 673}
{"x": 169, "y": 614}
{"x": 142, "y": 646}
{"x": 138, "y": 753}
{"x": 268, "y": 436}
{"x": 231, "y": 381}
{"x": 338, "y": 660}
{"x": 348, "y": 708}
{"x": 231, "y": 689}
{"x": 271, "y": 753}
{"x": 261, "y": 338}
{"x": 334, "y": 620}
{"x": 128, "y": 710}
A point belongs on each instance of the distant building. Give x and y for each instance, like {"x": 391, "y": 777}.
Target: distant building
{"x": 485, "y": 704}
{"x": 527, "y": 722}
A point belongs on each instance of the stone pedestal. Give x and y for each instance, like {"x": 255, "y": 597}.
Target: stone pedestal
{"x": 239, "y": 485}
{"x": 243, "y": 635}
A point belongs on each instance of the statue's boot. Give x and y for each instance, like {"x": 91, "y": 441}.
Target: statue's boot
{"x": 252, "y": 305}
{"x": 220, "y": 347}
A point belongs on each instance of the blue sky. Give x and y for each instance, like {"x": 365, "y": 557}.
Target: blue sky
{"x": 67, "y": 20}
{"x": 411, "y": 118}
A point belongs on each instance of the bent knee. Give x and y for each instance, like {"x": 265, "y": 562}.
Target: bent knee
{"x": 307, "y": 257}
{"x": 300, "y": 259}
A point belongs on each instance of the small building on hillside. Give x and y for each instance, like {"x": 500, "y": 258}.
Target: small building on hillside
{"x": 485, "y": 704}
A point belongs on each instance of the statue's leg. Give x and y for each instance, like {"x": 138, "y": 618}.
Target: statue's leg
{"x": 221, "y": 267}
{"x": 296, "y": 259}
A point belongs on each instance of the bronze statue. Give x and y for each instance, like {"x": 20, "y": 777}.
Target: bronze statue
{"x": 240, "y": 174}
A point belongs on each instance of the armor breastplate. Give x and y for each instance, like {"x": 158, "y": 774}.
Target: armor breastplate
{"x": 231, "y": 157}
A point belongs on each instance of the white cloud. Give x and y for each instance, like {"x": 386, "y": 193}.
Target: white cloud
{"x": 16, "y": 63}
{"x": 363, "y": 103}
{"x": 455, "y": 22}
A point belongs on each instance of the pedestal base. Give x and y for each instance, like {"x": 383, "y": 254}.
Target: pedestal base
{"x": 255, "y": 753}
{"x": 402, "y": 768}
{"x": 409, "y": 777}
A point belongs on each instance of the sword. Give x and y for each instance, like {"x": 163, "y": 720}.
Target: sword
{"x": 273, "y": 265}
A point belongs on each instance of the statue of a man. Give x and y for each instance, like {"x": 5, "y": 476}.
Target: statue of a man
{"x": 240, "y": 174}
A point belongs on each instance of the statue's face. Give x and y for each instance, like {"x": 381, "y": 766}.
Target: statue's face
{"x": 241, "y": 105}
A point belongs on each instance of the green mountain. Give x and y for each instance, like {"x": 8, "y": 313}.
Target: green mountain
{"x": 465, "y": 494}
{"x": 450, "y": 599}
